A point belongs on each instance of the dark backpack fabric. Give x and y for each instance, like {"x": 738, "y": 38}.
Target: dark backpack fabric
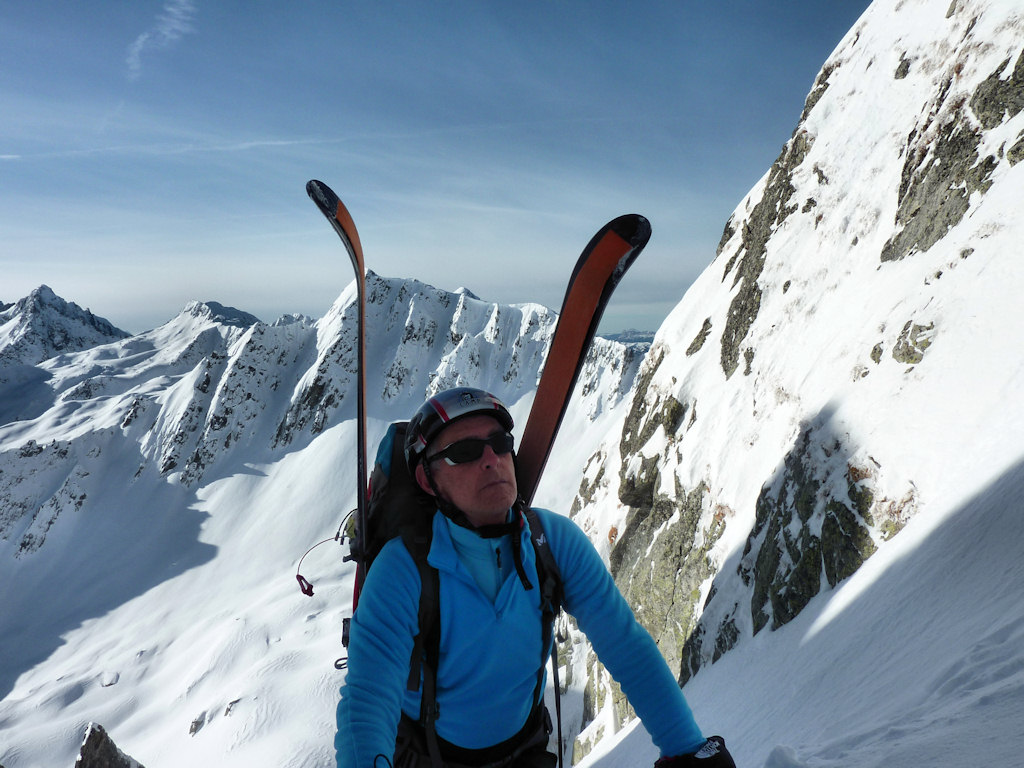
{"x": 396, "y": 505}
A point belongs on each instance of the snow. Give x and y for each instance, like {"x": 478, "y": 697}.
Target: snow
{"x": 917, "y": 659}
{"x": 164, "y": 605}
{"x": 860, "y": 677}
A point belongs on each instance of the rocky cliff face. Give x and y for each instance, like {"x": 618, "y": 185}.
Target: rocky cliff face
{"x": 755, "y": 467}
{"x": 100, "y": 751}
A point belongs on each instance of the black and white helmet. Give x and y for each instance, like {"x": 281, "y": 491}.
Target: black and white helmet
{"x": 442, "y": 409}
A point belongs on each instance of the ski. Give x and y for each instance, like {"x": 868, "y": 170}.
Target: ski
{"x": 600, "y": 267}
{"x": 337, "y": 214}
{"x": 598, "y": 271}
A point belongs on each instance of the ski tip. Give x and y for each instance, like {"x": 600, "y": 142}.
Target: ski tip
{"x": 323, "y": 196}
{"x": 337, "y": 214}
{"x": 633, "y": 228}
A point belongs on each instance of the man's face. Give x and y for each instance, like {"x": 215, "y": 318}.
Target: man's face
{"x": 483, "y": 489}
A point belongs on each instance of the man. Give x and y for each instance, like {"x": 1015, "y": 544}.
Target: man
{"x": 490, "y": 667}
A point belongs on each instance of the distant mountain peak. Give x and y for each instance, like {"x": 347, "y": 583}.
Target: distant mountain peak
{"x": 630, "y": 336}
{"x": 42, "y": 325}
{"x": 219, "y": 313}
{"x": 463, "y": 291}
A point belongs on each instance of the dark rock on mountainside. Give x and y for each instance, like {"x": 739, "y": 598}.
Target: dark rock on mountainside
{"x": 99, "y": 751}
{"x": 943, "y": 167}
{"x": 769, "y": 213}
{"x": 784, "y": 558}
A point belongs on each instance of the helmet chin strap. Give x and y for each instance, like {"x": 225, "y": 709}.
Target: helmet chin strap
{"x": 448, "y": 509}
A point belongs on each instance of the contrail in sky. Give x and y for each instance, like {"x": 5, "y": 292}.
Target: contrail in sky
{"x": 174, "y": 22}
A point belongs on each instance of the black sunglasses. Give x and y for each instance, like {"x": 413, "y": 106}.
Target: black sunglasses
{"x": 472, "y": 448}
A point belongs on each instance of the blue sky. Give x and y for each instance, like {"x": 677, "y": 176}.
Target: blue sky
{"x": 154, "y": 152}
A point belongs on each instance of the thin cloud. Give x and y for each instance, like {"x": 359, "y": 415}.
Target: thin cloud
{"x": 171, "y": 25}
{"x": 157, "y": 149}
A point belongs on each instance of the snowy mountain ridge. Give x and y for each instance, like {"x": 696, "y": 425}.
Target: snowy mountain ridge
{"x": 215, "y": 449}
{"x": 215, "y": 380}
{"x": 38, "y": 327}
{"x": 42, "y": 325}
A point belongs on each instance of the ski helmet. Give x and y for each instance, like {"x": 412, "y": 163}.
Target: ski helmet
{"x": 442, "y": 409}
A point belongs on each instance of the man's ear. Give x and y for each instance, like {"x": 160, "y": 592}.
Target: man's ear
{"x": 421, "y": 479}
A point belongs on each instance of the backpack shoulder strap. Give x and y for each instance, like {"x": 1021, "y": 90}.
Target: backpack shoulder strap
{"x": 426, "y": 647}
{"x": 426, "y": 644}
{"x": 547, "y": 569}
{"x": 417, "y": 542}
{"x": 552, "y": 599}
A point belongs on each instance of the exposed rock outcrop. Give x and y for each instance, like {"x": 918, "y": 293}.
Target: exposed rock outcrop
{"x": 100, "y": 751}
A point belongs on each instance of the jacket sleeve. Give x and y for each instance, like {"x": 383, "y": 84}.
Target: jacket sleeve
{"x": 380, "y": 644}
{"x": 624, "y": 647}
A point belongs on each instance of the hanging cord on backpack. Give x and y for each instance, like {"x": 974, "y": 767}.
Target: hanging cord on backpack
{"x": 558, "y": 638}
{"x": 304, "y": 584}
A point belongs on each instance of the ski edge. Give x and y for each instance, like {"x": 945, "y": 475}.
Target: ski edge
{"x": 597, "y": 273}
{"x": 341, "y": 220}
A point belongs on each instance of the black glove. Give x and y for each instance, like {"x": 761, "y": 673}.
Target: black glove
{"x": 712, "y": 755}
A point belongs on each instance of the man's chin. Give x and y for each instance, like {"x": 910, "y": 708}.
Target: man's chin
{"x": 498, "y": 496}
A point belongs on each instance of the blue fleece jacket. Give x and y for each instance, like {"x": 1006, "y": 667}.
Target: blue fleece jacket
{"x": 490, "y": 650}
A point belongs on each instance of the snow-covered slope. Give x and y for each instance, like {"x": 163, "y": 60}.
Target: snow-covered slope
{"x": 846, "y": 365}
{"x": 155, "y": 506}
{"x": 915, "y": 660}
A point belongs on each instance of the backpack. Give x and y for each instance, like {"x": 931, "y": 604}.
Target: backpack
{"x": 398, "y": 507}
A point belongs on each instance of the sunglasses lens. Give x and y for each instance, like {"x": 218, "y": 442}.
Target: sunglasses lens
{"x": 464, "y": 451}
{"x": 472, "y": 448}
{"x": 502, "y": 443}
